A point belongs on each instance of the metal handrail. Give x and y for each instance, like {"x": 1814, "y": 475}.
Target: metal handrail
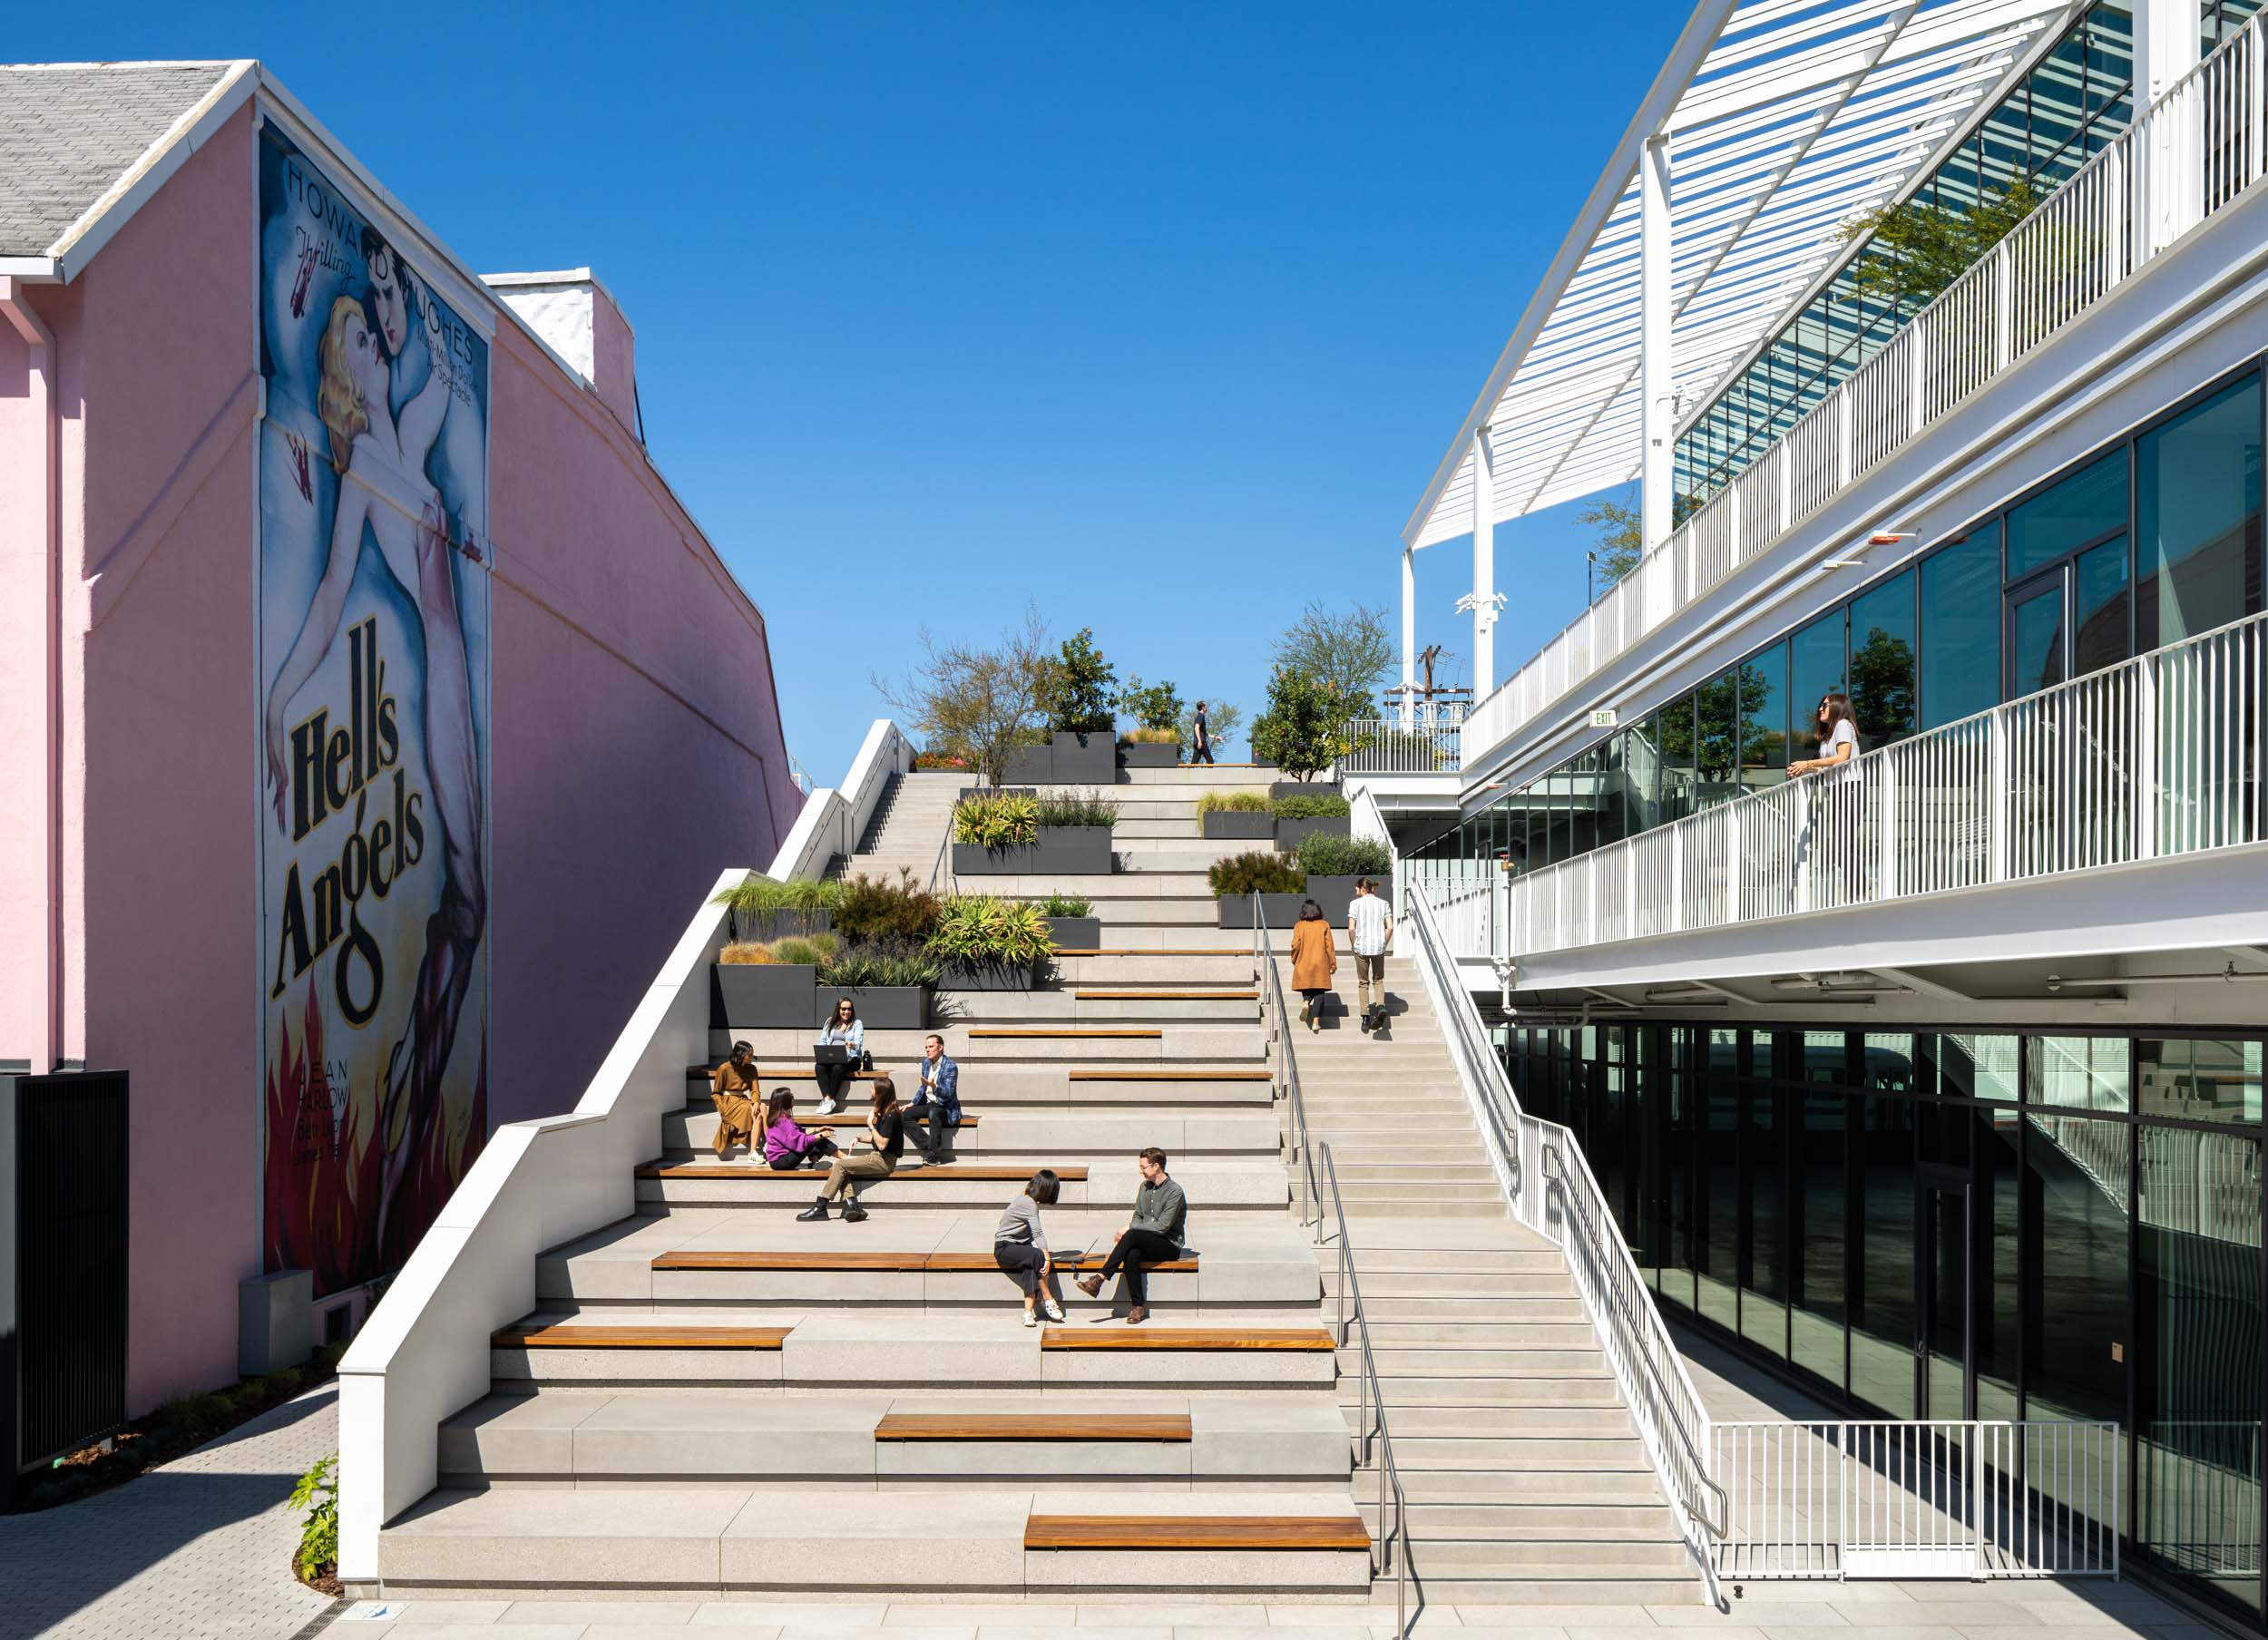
{"x": 1372, "y": 1403}
{"x": 1372, "y": 1407}
{"x": 1671, "y": 1417}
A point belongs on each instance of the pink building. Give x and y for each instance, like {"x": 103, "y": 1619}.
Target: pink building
{"x": 370, "y": 707}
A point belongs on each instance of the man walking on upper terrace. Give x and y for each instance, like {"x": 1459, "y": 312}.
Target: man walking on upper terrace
{"x": 1370, "y": 930}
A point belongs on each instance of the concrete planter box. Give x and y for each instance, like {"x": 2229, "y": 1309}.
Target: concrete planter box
{"x": 880, "y": 1007}
{"x": 784, "y": 924}
{"x": 1028, "y": 765}
{"x": 1142, "y": 755}
{"x": 1083, "y": 759}
{"x": 1075, "y": 933}
{"x": 1062, "y": 850}
{"x": 1281, "y": 910}
{"x": 1288, "y": 832}
{"x": 760, "y": 996}
{"x": 987, "y": 976}
{"x": 1303, "y": 788}
{"x": 1332, "y": 895}
{"x": 1229, "y": 824}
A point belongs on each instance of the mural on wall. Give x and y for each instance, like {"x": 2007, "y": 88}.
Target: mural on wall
{"x": 373, "y": 621}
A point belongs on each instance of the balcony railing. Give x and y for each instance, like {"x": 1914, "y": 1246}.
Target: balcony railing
{"x": 2158, "y": 757}
{"x": 1385, "y": 746}
{"x": 2189, "y": 155}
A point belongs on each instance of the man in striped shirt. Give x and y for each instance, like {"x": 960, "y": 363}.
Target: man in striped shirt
{"x": 1370, "y": 930}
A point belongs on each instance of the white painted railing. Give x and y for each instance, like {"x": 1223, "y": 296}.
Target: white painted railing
{"x": 1970, "y": 1499}
{"x": 833, "y": 819}
{"x": 1382, "y": 746}
{"x": 423, "y": 1354}
{"x": 2193, "y": 151}
{"x": 2155, "y": 757}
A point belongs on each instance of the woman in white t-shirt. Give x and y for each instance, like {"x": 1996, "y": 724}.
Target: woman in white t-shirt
{"x": 1838, "y": 735}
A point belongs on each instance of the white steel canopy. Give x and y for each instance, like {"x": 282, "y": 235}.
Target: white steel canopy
{"x": 1783, "y": 120}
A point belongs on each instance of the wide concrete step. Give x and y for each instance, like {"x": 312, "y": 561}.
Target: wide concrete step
{"x": 1500, "y": 1455}
{"x": 1658, "y": 1554}
{"x": 1450, "y": 1287}
{"x": 1028, "y": 1135}
{"x": 1542, "y": 1488}
{"x": 1497, "y": 1423}
{"x": 1106, "y": 1002}
{"x": 1522, "y": 1311}
{"x": 1472, "y": 1197}
{"x": 1086, "y": 1181}
{"x": 1573, "y": 1584}
{"x": 899, "y": 1051}
{"x": 1355, "y": 1172}
{"x": 884, "y": 1440}
{"x": 1402, "y": 1361}
{"x": 569, "y": 1543}
{"x": 1149, "y": 1087}
{"x": 1557, "y": 1522}
{"x": 1595, "y": 1389}
{"x": 1114, "y": 967}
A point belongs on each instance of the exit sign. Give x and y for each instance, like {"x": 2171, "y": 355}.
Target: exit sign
{"x": 1603, "y": 718}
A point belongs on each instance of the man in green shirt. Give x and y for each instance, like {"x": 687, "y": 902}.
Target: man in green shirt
{"x": 1153, "y": 1236}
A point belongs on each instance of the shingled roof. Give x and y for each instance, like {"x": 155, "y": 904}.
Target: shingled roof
{"x": 68, "y": 131}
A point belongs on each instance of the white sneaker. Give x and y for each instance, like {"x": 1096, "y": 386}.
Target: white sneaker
{"x": 1031, "y": 1320}
{"x": 1054, "y": 1310}
{"x": 828, "y": 1106}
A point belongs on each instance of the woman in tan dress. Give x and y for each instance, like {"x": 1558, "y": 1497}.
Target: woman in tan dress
{"x": 732, "y": 1088}
{"x": 1315, "y": 959}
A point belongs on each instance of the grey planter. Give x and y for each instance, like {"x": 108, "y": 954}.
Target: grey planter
{"x": 1228, "y": 824}
{"x": 1028, "y": 765}
{"x": 1143, "y": 755}
{"x": 761, "y": 996}
{"x": 1281, "y": 910}
{"x": 1075, "y": 933}
{"x": 1081, "y": 759}
{"x": 1303, "y": 788}
{"x": 988, "y": 976}
{"x": 1289, "y": 831}
{"x": 1335, "y": 894}
{"x": 880, "y": 1007}
{"x": 1062, "y": 850}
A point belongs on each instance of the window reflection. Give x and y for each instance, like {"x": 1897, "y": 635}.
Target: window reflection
{"x": 2083, "y": 1073}
{"x": 1763, "y": 716}
{"x": 1882, "y": 661}
{"x": 2197, "y": 1079}
{"x": 2068, "y": 516}
{"x": 2197, "y": 517}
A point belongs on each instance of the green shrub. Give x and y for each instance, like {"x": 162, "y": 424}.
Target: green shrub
{"x": 1154, "y": 707}
{"x": 1309, "y": 809}
{"x": 1066, "y": 906}
{"x": 766, "y": 894}
{"x": 873, "y": 910}
{"x": 996, "y": 819}
{"x": 1233, "y": 803}
{"x": 985, "y": 928}
{"x": 186, "y": 1417}
{"x": 1254, "y": 874}
{"x": 1305, "y": 727}
{"x": 318, "y": 1494}
{"x": 281, "y": 1385}
{"x": 1331, "y": 855}
{"x": 877, "y": 965}
{"x": 1077, "y": 808}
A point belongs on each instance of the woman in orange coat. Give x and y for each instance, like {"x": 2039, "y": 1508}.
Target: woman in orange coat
{"x": 1315, "y": 959}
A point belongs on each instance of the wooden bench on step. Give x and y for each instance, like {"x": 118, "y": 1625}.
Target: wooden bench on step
{"x": 1301, "y": 1340}
{"x": 955, "y": 1170}
{"x": 578, "y": 1335}
{"x": 770, "y": 1259}
{"x": 1033, "y": 1426}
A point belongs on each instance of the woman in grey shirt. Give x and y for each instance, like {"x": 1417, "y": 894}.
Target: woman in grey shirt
{"x": 1020, "y": 1246}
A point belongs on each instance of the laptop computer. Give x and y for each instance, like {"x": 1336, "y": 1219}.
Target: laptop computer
{"x": 832, "y": 1053}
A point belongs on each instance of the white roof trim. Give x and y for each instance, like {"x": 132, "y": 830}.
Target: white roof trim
{"x": 1787, "y": 118}
{"x": 116, "y": 205}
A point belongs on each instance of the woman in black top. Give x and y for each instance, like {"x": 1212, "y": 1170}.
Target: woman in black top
{"x": 885, "y": 1129}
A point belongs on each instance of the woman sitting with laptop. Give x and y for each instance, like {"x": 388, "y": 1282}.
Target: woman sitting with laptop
{"x": 842, "y": 1039}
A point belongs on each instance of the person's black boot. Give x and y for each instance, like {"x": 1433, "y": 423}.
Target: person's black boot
{"x": 817, "y": 1211}
{"x": 853, "y": 1213}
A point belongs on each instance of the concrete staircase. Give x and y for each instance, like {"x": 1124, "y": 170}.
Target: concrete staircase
{"x": 1525, "y": 1481}
{"x": 693, "y": 1380}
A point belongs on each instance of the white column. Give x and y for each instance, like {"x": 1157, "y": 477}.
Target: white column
{"x": 1408, "y": 637}
{"x": 1657, "y": 419}
{"x": 1483, "y": 566}
{"x": 2166, "y": 46}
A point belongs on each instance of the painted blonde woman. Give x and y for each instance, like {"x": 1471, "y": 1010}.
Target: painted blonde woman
{"x": 383, "y": 491}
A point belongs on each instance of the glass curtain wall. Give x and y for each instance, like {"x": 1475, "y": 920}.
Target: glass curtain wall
{"x": 2016, "y": 1225}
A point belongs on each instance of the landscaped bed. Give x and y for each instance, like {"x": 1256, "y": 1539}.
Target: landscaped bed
{"x": 1013, "y": 833}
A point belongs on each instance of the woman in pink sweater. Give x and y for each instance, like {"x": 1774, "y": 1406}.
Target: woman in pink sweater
{"x": 787, "y": 1145}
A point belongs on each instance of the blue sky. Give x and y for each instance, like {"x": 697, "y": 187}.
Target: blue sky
{"x": 1158, "y": 314}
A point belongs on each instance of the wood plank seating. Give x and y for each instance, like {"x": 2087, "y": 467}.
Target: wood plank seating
{"x": 1196, "y": 1532}
{"x": 803, "y": 1073}
{"x": 772, "y": 1259}
{"x": 956, "y": 1170}
{"x": 1171, "y": 1076}
{"x": 576, "y": 1336}
{"x": 1033, "y": 1426}
{"x": 989, "y": 1032}
{"x": 1165, "y": 996}
{"x": 1301, "y": 1340}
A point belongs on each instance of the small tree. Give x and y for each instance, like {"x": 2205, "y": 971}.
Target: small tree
{"x": 1151, "y": 706}
{"x": 973, "y": 702}
{"x": 1918, "y": 250}
{"x": 1079, "y": 684}
{"x": 1305, "y": 727}
{"x": 1621, "y": 538}
{"x": 1351, "y": 653}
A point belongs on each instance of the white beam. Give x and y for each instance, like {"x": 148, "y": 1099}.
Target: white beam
{"x": 1656, "y": 410}
{"x": 1483, "y": 565}
{"x": 1409, "y": 633}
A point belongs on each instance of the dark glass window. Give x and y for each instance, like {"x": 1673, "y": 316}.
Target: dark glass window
{"x": 2197, "y": 518}
{"x": 2066, "y": 516}
{"x": 1638, "y": 754}
{"x": 2076, "y": 1073}
{"x": 1816, "y": 668}
{"x": 1764, "y": 755}
{"x": 2098, "y": 631}
{"x": 1821, "y": 1233}
{"x": 2077, "y": 1169}
{"x": 1978, "y": 1068}
{"x": 2194, "y": 1079}
{"x": 1882, "y": 1330}
{"x": 1960, "y": 629}
{"x": 1763, "y": 1169}
{"x": 1882, "y": 663}
{"x": 2001, "y": 1187}
{"x": 2036, "y": 641}
{"x": 1676, "y": 784}
{"x": 1716, "y": 1183}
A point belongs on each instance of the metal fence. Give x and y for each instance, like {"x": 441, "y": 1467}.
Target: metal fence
{"x": 1931, "y": 1497}
{"x": 2160, "y": 756}
{"x": 1385, "y": 745}
{"x": 2189, "y": 155}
